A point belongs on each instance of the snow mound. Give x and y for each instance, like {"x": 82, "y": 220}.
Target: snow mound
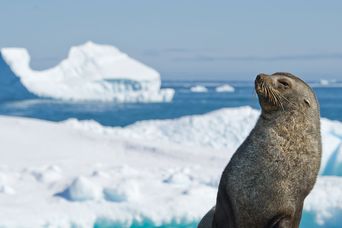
{"x": 5, "y": 189}
{"x": 124, "y": 191}
{"x": 90, "y": 72}
{"x": 225, "y": 88}
{"x": 47, "y": 174}
{"x": 182, "y": 177}
{"x": 221, "y": 129}
{"x": 224, "y": 128}
{"x": 81, "y": 189}
{"x": 198, "y": 89}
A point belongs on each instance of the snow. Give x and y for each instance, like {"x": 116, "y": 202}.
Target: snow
{"x": 324, "y": 204}
{"x": 90, "y": 72}
{"x": 198, "y": 89}
{"x": 125, "y": 191}
{"x": 152, "y": 173}
{"x": 225, "y": 88}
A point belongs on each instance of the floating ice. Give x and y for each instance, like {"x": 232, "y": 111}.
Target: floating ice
{"x": 198, "y": 89}
{"x": 324, "y": 82}
{"x": 225, "y": 88}
{"x": 90, "y": 72}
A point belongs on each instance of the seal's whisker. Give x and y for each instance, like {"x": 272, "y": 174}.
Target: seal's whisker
{"x": 275, "y": 98}
{"x": 270, "y": 95}
{"x": 284, "y": 98}
{"x": 277, "y": 94}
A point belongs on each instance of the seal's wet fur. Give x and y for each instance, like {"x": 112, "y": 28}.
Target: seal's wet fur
{"x": 269, "y": 176}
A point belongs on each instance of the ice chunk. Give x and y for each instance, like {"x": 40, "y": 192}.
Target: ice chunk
{"x": 324, "y": 82}
{"x": 225, "y": 88}
{"x": 198, "y": 89}
{"x": 90, "y": 72}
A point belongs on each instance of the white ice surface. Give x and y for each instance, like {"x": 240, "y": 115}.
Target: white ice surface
{"x": 81, "y": 173}
{"x": 90, "y": 72}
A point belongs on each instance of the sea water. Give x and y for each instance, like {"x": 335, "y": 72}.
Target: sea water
{"x": 185, "y": 102}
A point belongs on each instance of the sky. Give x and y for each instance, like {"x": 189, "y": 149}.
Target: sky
{"x": 186, "y": 39}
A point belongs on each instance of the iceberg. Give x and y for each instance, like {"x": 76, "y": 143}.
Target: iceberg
{"x": 90, "y": 72}
{"x": 324, "y": 82}
{"x": 198, "y": 89}
{"x": 225, "y": 88}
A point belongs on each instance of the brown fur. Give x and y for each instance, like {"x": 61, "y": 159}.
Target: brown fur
{"x": 275, "y": 168}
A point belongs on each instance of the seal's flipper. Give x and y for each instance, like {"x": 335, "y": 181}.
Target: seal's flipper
{"x": 224, "y": 214}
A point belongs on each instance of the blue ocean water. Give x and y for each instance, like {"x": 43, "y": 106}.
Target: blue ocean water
{"x": 184, "y": 103}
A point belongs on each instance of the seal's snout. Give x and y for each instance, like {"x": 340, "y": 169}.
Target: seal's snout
{"x": 259, "y": 81}
{"x": 260, "y": 78}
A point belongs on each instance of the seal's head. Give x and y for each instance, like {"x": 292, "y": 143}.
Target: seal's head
{"x": 284, "y": 92}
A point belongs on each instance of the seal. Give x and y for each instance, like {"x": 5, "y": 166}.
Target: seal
{"x": 269, "y": 176}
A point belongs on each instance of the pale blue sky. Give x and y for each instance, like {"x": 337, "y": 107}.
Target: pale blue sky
{"x": 186, "y": 39}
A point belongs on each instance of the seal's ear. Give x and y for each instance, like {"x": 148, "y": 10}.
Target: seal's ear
{"x": 307, "y": 102}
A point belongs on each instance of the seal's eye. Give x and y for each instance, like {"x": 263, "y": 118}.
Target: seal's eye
{"x": 284, "y": 84}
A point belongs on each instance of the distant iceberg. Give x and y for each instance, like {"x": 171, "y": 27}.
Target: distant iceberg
{"x": 225, "y": 88}
{"x": 329, "y": 82}
{"x": 198, "y": 89}
{"x": 324, "y": 82}
{"x": 90, "y": 72}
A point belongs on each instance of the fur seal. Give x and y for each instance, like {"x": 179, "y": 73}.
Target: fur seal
{"x": 269, "y": 176}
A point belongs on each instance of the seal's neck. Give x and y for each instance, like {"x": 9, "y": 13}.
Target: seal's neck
{"x": 294, "y": 121}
